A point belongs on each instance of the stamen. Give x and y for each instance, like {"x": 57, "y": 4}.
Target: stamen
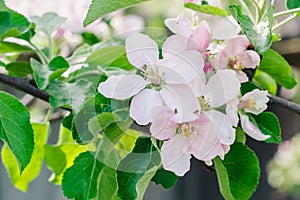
{"x": 186, "y": 129}
{"x": 249, "y": 103}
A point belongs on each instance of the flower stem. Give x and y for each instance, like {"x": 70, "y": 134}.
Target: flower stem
{"x": 50, "y": 46}
{"x": 287, "y": 12}
{"x": 294, "y": 16}
{"x": 48, "y": 116}
{"x": 39, "y": 53}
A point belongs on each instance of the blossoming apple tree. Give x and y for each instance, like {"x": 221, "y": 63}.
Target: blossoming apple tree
{"x": 199, "y": 93}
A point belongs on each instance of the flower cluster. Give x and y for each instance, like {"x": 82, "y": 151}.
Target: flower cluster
{"x": 191, "y": 93}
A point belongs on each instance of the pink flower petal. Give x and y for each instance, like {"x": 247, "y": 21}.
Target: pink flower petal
{"x": 141, "y": 50}
{"x": 142, "y": 105}
{"x": 200, "y": 38}
{"x": 122, "y": 86}
{"x": 181, "y": 98}
{"x": 221, "y": 60}
{"x": 250, "y": 59}
{"x": 236, "y": 45}
{"x": 162, "y": 127}
{"x": 222, "y": 87}
{"x": 252, "y": 130}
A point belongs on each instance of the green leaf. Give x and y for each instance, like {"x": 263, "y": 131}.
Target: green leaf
{"x": 268, "y": 123}
{"x": 238, "y": 173}
{"x": 109, "y": 123}
{"x": 21, "y": 181}
{"x": 15, "y": 128}
{"x": 89, "y": 38}
{"x": 278, "y": 68}
{"x": 165, "y": 178}
{"x": 107, "y": 184}
{"x": 48, "y": 23}
{"x": 44, "y": 74}
{"x": 18, "y": 69}
{"x": 61, "y": 156}
{"x": 58, "y": 63}
{"x": 137, "y": 169}
{"x": 112, "y": 56}
{"x": 260, "y": 35}
{"x": 67, "y": 122}
{"x": 69, "y": 94}
{"x": 240, "y": 135}
{"x": 82, "y": 51}
{"x": 41, "y": 74}
{"x": 84, "y": 173}
{"x": 207, "y": 9}
{"x": 28, "y": 35}
{"x": 3, "y": 6}
{"x": 248, "y": 87}
{"x": 99, "y": 8}
{"x": 9, "y": 47}
{"x": 290, "y": 4}
{"x": 93, "y": 107}
{"x": 265, "y": 81}
{"x": 12, "y": 24}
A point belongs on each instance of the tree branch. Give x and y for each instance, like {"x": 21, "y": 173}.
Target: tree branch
{"x": 22, "y": 85}
{"x": 285, "y": 103}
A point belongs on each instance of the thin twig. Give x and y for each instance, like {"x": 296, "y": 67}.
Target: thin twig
{"x": 21, "y": 84}
{"x": 285, "y": 103}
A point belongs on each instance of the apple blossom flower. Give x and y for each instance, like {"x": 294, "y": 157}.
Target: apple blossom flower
{"x": 199, "y": 138}
{"x": 235, "y": 56}
{"x": 206, "y": 137}
{"x": 197, "y": 37}
{"x": 254, "y": 102}
{"x": 164, "y": 81}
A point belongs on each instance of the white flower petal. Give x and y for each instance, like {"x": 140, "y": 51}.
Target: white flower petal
{"x": 122, "y": 86}
{"x": 252, "y": 130}
{"x": 170, "y": 24}
{"x": 221, "y": 28}
{"x": 205, "y": 145}
{"x": 188, "y": 64}
{"x": 260, "y": 98}
{"x": 175, "y": 156}
{"x": 141, "y": 50}
{"x": 142, "y": 105}
{"x": 222, "y": 87}
{"x": 221, "y": 126}
{"x": 232, "y": 111}
{"x": 181, "y": 98}
{"x": 174, "y": 46}
{"x": 183, "y": 26}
